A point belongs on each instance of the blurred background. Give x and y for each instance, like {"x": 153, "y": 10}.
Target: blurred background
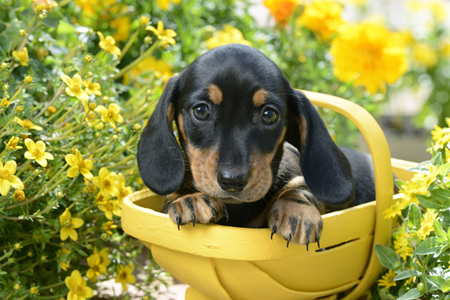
{"x": 408, "y": 93}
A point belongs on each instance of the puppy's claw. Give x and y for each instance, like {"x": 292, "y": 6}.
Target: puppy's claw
{"x": 178, "y": 222}
{"x": 274, "y": 228}
{"x": 307, "y": 247}
{"x": 288, "y": 240}
{"x": 318, "y": 244}
{"x": 226, "y": 213}
{"x": 214, "y": 214}
{"x": 193, "y": 220}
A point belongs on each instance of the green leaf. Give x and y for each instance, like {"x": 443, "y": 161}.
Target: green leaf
{"x": 412, "y": 294}
{"x": 430, "y": 202}
{"x": 386, "y": 256}
{"x": 429, "y": 246}
{"x": 437, "y": 160}
{"x": 81, "y": 252}
{"x": 399, "y": 183}
{"x": 407, "y": 274}
{"x": 443, "y": 196}
{"x": 446, "y": 286}
{"x": 436, "y": 281}
{"x": 65, "y": 28}
{"x": 442, "y": 170}
{"x": 414, "y": 217}
{"x": 423, "y": 167}
{"x": 439, "y": 232}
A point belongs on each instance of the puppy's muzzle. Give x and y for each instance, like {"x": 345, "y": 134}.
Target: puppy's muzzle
{"x": 232, "y": 180}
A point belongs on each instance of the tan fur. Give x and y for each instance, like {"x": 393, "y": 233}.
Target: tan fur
{"x": 170, "y": 113}
{"x": 303, "y": 131}
{"x": 215, "y": 94}
{"x": 181, "y": 127}
{"x": 259, "y": 98}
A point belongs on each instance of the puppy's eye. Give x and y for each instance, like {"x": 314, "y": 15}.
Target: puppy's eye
{"x": 201, "y": 112}
{"x": 269, "y": 116}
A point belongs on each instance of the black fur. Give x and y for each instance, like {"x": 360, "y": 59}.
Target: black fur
{"x": 236, "y": 131}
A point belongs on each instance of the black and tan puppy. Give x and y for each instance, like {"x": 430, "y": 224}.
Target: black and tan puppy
{"x": 252, "y": 151}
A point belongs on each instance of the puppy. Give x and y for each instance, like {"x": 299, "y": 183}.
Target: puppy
{"x": 251, "y": 150}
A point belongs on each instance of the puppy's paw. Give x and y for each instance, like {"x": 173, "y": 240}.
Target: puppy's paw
{"x": 297, "y": 221}
{"x": 196, "y": 208}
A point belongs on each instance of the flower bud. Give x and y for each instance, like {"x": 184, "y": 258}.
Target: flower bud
{"x": 90, "y": 31}
{"x": 421, "y": 287}
{"x": 36, "y": 172}
{"x": 17, "y": 246}
{"x": 104, "y": 236}
{"x": 106, "y": 99}
{"x": 19, "y": 196}
{"x": 149, "y": 92}
{"x": 40, "y": 8}
{"x": 28, "y": 79}
{"x": 17, "y": 286}
{"x": 59, "y": 195}
{"x": 137, "y": 127}
{"x": 22, "y": 32}
{"x": 34, "y": 290}
{"x": 97, "y": 134}
{"x": 5, "y": 87}
{"x": 43, "y": 258}
{"x": 4, "y": 66}
{"x": 11, "y": 260}
{"x": 41, "y": 16}
{"x": 147, "y": 40}
{"x": 19, "y": 108}
{"x": 30, "y": 254}
{"x": 89, "y": 246}
{"x": 52, "y": 109}
{"x": 118, "y": 130}
{"x": 92, "y": 106}
{"x": 89, "y": 74}
{"x": 115, "y": 138}
{"x": 143, "y": 20}
{"x": 88, "y": 58}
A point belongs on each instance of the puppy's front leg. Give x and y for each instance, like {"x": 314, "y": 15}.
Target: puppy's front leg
{"x": 295, "y": 214}
{"x": 196, "y": 208}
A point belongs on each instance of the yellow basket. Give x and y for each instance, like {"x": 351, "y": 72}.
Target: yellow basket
{"x": 220, "y": 262}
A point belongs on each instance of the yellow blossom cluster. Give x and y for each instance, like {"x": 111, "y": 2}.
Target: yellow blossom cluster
{"x": 281, "y": 9}
{"x": 228, "y": 35}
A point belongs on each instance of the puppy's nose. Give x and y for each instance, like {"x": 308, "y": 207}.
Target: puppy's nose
{"x": 232, "y": 181}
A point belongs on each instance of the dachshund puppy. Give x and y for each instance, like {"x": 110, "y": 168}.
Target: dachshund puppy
{"x": 251, "y": 150}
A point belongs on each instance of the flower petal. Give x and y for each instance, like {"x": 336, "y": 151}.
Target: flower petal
{"x": 77, "y": 222}
{"x": 4, "y": 186}
{"x": 72, "y": 172}
{"x": 41, "y": 146}
{"x": 30, "y": 144}
{"x": 67, "y": 80}
{"x": 42, "y": 161}
{"x": 71, "y": 160}
{"x": 86, "y": 173}
{"x": 16, "y": 182}
{"x": 11, "y": 166}
{"x": 64, "y": 234}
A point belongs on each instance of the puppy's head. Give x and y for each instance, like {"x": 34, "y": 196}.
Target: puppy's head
{"x": 234, "y": 109}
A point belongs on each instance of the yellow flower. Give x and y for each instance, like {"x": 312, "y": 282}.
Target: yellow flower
{"x": 21, "y": 56}
{"x": 228, "y": 35}
{"x": 122, "y": 26}
{"x": 77, "y": 286}
{"x": 74, "y": 88}
{"x": 106, "y": 182}
{"x": 323, "y": 18}
{"x": 12, "y": 144}
{"x": 426, "y": 226}
{"x": 281, "y": 9}
{"x": 424, "y": 55}
{"x": 165, "y": 35}
{"x": 27, "y": 124}
{"x": 387, "y": 280}
{"x": 92, "y": 121}
{"x": 108, "y": 44}
{"x": 5, "y": 103}
{"x": 396, "y": 209}
{"x": 123, "y": 190}
{"x": 369, "y": 54}
{"x": 110, "y": 114}
{"x": 37, "y": 152}
{"x": 108, "y": 226}
{"x": 124, "y": 276}
{"x": 111, "y": 207}
{"x": 104, "y": 257}
{"x": 159, "y": 67}
{"x": 8, "y": 179}
{"x": 68, "y": 225}
{"x": 164, "y": 4}
{"x": 92, "y": 88}
{"x": 441, "y": 135}
{"x": 64, "y": 263}
{"x": 78, "y": 164}
{"x": 96, "y": 268}
{"x": 401, "y": 244}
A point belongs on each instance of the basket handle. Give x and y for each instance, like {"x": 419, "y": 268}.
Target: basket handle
{"x": 381, "y": 158}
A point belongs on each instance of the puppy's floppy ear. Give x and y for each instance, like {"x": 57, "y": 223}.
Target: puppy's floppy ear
{"x": 160, "y": 159}
{"x": 325, "y": 168}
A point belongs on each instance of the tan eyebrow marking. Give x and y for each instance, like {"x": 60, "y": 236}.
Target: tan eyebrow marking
{"x": 215, "y": 94}
{"x": 259, "y": 98}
